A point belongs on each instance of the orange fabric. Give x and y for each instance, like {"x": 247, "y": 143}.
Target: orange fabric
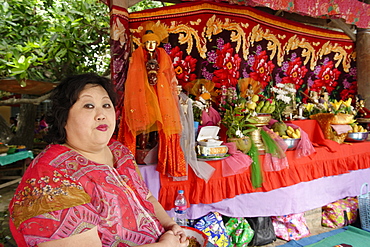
{"x": 323, "y": 163}
{"x": 171, "y": 159}
{"x": 314, "y": 131}
{"x": 150, "y": 108}
{"x": 126, "y": 137}
{"x": 153, "y": 108}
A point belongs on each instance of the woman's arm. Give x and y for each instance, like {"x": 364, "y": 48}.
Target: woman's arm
{"x": 89, "y": 238}
{"x": 166, "y": 221}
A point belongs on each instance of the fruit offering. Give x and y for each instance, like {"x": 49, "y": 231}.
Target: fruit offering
{"x": 290, "y": 132}
{"x": 357, "y": 128}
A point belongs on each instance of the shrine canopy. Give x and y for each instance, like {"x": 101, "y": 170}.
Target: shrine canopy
{"x": 352, "y": 12}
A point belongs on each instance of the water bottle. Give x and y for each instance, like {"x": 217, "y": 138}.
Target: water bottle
{"x": 180, "y": 209}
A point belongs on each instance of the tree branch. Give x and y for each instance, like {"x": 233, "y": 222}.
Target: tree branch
{"x": 14, "y": 101}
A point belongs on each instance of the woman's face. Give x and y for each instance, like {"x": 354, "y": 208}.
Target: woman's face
{"x": 91, "y": 120}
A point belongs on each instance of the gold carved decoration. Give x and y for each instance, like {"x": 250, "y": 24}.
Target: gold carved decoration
{"x": 186, "y": 35}
{"x": 340, "y": 54}
{"x": 308, "y": 52}
{"x": 215, "y": 26}
{"x": 273, "y": 45}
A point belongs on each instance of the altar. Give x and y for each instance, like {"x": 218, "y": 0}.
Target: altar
{"x": 333, "y": 172}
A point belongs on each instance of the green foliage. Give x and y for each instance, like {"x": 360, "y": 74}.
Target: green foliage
{"x": 238, "y": 122}
{"x": 146, "y": 4}
{"x": 46, "y": 40}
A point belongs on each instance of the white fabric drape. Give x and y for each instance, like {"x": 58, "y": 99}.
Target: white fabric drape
{"x": 202, "y": 169}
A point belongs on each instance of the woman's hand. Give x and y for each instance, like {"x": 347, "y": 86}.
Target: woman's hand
{"x": 170, "y": 239}
{"x": 178, "y": 231}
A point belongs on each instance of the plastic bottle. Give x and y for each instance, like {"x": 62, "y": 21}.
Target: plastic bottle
{"x": 181, "y": 207}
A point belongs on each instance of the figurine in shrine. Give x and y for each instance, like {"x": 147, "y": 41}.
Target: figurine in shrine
{"x": 151, "y": 102}
{"x": 249, "y": 92}
{"x": 362, "y": 111}
{"x": 314, "y": 97}
{"x": 152, "y": 65}
{"x": 324, "y": 96}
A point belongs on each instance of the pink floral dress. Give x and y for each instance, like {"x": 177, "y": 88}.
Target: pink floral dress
{"x": 63, "y": 194}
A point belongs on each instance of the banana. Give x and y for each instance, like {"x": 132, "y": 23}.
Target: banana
{"x": 265, "y": 106}
{"x": 298, "y": 132}
{"x": 295, "y": 136}
{"x": 290, "y": 128}
{"x": 271, "y": 109}
{"x": 259, "y": 106}
{"x": 290, "y": 132}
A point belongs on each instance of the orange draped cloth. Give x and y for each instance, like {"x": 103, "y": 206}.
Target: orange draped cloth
{"x": 329, "y": 160}
{"x": 150, "y": 108}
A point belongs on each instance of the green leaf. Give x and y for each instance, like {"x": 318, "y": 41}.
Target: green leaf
{"x": 22, "y": 59}
{"x": 61, "y": 53}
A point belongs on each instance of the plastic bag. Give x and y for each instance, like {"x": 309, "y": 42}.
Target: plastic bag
{"x": 290, "y": 227}
{"x": 239, "y": 231}
{"x": 213, "y": 226}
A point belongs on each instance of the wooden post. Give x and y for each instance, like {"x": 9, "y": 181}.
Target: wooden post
{"x": 363, "y": 64}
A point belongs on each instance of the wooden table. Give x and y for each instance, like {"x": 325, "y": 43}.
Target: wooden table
{"x": 9, "y": 159}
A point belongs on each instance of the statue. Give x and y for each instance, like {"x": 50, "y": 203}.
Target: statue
{"x": 362, "y": 111}
{"x": 151, "y": 103}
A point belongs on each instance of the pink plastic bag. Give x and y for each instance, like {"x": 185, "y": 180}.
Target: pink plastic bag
{"x": 290, "y": 227}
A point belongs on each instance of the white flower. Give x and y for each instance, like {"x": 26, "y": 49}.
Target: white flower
{"x": 239, "y": 133}
{"x": 280, "y": 85}
{"x": 282, "y": 92}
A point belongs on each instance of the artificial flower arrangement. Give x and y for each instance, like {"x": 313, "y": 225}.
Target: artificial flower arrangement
{"x": 335, "y": 107}
{"x": 236, "y": 116}
{"x": 284, "y": 94}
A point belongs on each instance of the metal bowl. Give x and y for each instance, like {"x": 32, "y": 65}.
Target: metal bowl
{"x": 262, "y": 119}
{"x": 357, "y": 136}
{"x": 292, "y": 143}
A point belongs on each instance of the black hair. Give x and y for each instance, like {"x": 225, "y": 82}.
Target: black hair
{"x": 63, "y": 98}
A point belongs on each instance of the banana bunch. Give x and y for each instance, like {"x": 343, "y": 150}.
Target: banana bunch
{"x": 292, "y": 133}
{"x": 265, "y": 106}
{"x": 357, "y": 128}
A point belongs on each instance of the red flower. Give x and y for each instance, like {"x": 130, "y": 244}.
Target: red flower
{"x": 183, "y": 68}
{"x": 327, "y": 77}
{"x": 262, "y": 69}
{"x": 349, "y": 92}
{"x": 295, "y": 73}
{"x": 229, "y": 65}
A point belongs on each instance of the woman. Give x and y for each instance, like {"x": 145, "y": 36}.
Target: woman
{"x": 84, "y": 188}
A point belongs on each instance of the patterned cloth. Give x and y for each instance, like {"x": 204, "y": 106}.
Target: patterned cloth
{"x": 351, "y": 11}
{"x": 63, "y": 194}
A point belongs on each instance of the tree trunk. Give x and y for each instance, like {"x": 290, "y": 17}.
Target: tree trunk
{"x": 5, "y": 132}
{"x": 26, "y": 126}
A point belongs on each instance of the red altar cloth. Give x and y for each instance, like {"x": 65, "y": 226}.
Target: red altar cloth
{"x": 331, "y": 159}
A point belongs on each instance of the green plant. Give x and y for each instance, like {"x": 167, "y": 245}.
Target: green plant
{"x": 238, "y": 122}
